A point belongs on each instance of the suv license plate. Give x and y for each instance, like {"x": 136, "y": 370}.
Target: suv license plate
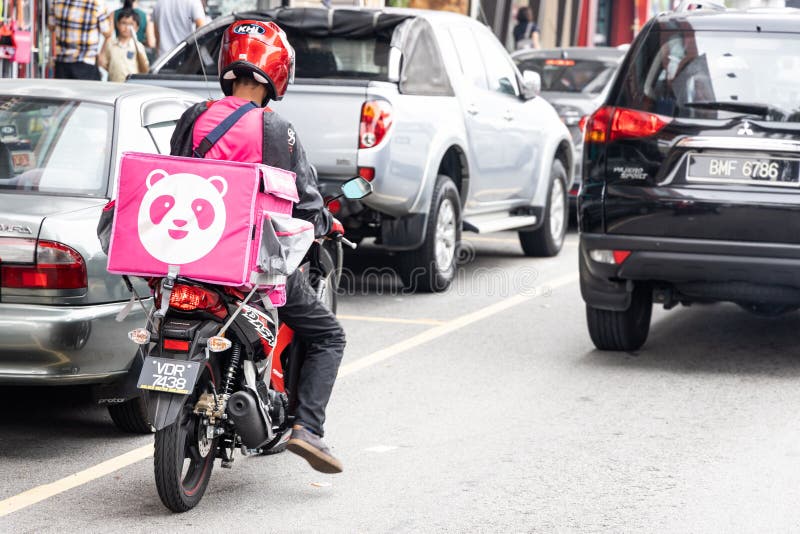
{"x": 169, "y": 376}
{"x": 742, "y": 170}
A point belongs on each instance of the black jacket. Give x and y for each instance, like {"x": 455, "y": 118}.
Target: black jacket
{"x": 281, "y": 149}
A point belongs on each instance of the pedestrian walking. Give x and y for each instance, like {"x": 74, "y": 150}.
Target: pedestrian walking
{"x": 75, "y": 27}
{"x": 124, "y": 54}
{"x": 526, "y": 32}
{"x": 145, "y": 33}
{"x": 175, "y": 20}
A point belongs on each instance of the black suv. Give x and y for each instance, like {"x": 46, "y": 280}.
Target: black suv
{"x": 691, "y": 173}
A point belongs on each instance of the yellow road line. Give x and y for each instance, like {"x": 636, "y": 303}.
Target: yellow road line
{"x": 397, "y": 320}
{"x": 45, "y": 491}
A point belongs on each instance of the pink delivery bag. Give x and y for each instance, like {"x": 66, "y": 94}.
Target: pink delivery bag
{"x": 208, "y": 218}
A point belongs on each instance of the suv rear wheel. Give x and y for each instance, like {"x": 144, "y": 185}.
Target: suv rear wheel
{"x": 432, "y": 267}
{"x": 548, "y": 239}
{"x": 622, "y": 330}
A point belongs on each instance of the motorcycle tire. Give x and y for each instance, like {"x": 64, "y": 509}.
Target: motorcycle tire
{"x": 180, "y": 485}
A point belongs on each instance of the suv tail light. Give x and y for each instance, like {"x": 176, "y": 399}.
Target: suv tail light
{"x": 189, "y": 298}
{"x": 57, "y": 267}
{"x": 610, "y": 123}
{"x": 376, "y": 119}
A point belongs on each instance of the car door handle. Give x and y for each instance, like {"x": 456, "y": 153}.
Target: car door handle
{"x": 508, "y": 116}
{"x": 472, "y": 109}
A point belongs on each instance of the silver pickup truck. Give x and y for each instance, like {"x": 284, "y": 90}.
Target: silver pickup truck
{"x": 429, "y": 107}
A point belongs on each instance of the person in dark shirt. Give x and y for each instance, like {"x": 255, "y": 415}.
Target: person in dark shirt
{"x": 526, "y": 32}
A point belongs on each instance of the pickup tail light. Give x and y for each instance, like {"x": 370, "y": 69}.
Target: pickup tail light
{"x": 376, "y": 119}
{"x": 57, "y": 266}
{"x": 367, "y": 173}
{"x": 610, "y": 124}
{"x": 191, "y": 298}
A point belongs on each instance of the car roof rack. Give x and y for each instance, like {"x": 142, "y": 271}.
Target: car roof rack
{"x": 700, "y": 5}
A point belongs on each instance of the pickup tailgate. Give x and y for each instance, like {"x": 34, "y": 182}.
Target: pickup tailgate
{"x": 327, "y": 115}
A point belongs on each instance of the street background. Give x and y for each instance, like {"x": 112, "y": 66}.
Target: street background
{"x": 509, "y": 423}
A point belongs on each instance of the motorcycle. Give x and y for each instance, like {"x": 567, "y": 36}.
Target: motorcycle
{"x": 220, "y": 372}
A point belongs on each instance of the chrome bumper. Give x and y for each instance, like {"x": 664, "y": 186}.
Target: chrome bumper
{"x": 65, "y": 344}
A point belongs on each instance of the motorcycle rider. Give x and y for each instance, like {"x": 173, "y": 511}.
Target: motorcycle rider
{"x": 256, "y": 63}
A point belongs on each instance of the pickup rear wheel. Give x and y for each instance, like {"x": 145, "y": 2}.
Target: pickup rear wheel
{"x": 432, "y": 267}
{"x": 622, "y": 330}
{"x": 548, "y": 239}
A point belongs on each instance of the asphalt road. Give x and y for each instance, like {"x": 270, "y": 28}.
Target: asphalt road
{"x": 483, "y": 409}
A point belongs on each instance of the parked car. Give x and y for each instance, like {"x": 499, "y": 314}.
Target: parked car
{"x": 429, "y": 107}
{"x": 60, "y": 144}
{"x": 691, "y": 179}
{"x": 576, "y": 82}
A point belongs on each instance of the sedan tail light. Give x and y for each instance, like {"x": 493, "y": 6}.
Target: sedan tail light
{"x": 57, "y": 267}
{"x": 376, "y": 119}
{"x": 610, "y": 123}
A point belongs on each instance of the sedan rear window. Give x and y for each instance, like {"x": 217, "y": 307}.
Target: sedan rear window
{"x": 570, "y": 75}
{"x": 57, "y": 147}
{"x": 716, "y": 75}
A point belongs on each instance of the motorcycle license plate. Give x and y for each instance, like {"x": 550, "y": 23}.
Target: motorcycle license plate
{"x": 168, "y": 375}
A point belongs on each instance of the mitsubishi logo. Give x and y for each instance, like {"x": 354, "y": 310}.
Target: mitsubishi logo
{"x": 745, "y": 129}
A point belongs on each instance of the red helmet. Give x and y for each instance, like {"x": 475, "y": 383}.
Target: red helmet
{"x": 258, "y": 50}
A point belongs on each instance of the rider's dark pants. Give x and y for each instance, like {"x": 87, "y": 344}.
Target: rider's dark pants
{"x": 315, "y": 325}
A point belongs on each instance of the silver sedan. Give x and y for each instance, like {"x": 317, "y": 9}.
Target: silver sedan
{"x": 60, "y": 145}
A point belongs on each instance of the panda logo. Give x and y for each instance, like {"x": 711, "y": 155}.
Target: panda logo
{"x": 182, "y": 216}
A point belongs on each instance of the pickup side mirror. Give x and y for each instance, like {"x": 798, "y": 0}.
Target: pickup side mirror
{"x": 356, "y": 188}
{"x": 531, "y": 84}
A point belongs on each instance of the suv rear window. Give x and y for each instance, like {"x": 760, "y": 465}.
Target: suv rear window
{"x": 715, "y": 75}
{"x": 570, "y": 75}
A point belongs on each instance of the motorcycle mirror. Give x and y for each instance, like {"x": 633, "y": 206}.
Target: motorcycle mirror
{"x": 356, "y": 188}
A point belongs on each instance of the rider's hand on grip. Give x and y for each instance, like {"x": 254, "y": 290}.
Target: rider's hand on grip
{"x": 337, "y": 230}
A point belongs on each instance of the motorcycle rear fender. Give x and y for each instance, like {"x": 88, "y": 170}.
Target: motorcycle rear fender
{"x": 164, "y": 408}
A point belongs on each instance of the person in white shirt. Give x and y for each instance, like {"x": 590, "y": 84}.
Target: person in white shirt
{"x": 174, "y": 20}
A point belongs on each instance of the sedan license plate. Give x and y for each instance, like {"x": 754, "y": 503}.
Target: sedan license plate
{"x": 743, "y": 170}
{"x": 169, "y": 376}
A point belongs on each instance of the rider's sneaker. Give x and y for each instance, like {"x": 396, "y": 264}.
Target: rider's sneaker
{"x": 311, "y": 447}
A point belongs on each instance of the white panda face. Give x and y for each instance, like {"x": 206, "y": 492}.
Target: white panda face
{"x": 182, "y": 216}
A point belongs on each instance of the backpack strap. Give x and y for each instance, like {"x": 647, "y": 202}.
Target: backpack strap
{"x": 221, "y": 129}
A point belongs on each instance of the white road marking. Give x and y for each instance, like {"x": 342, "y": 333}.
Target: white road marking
{"x": 45, "y": 491}
{"x": 397, "y": 320}
{"x": 448, "y": 327}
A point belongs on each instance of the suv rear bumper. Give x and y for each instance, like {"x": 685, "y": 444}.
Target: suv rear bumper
{"x": 695, "y": 269}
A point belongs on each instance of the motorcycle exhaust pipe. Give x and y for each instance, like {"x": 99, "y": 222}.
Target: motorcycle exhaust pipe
{"x": 244, "y": 411}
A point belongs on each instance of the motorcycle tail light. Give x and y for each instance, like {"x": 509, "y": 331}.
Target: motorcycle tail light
{"x": 190, "y": 298}
{"x": 376, "y": 119}
{"x": 177, "y": 345}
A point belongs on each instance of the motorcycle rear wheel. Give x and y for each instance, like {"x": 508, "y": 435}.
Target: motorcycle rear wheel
{"x": 184, "y": 457}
